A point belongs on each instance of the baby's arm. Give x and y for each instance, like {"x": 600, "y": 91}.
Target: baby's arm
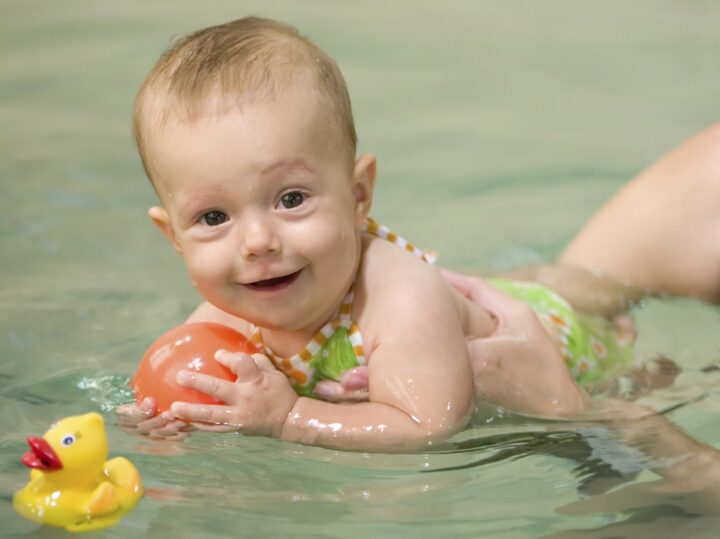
{"x": 421, "y": 387}
{"x": 420, "y": 381}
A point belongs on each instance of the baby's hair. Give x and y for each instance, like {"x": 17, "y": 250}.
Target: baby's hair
{"x": 247, "y": 59}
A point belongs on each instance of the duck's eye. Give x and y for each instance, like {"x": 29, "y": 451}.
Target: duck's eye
{"x": 214, "y": 218}
{"x": 68, "y": 440}
{"x": 292, "y": 199}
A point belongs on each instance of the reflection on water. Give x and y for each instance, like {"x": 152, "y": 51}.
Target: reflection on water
{"x": 499, "y": 127}
{"x": 595, "y": 472}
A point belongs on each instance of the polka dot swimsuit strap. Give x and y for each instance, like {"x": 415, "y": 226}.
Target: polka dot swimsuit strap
{"x": 297, "y": 366}
{"x": 381, "y": 231}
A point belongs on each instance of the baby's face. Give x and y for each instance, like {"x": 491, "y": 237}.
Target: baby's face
{"x": 263, "y": 209}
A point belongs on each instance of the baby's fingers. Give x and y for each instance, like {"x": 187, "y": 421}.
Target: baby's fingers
{"x": 130, "y": 415}
{"x": 356, "y": 379}
{"x": 329, "y": 390}
{"x": 336, "y": 392}
{"x": 203, "y": 413}
{"x": 246, "y": 367}
{"x": 223, "y": 390}
{"x": 154, "y": 423}
{"x": 173, "y": 430}
{"x": 209, "y": 427}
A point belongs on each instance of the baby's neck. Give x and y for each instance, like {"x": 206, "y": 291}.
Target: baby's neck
{"x": 286, "y": 343}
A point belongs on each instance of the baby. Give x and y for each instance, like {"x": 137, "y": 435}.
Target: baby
{"x": 246, "y": 133}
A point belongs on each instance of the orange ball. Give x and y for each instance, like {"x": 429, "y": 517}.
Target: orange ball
{"x": 186, "y": 347}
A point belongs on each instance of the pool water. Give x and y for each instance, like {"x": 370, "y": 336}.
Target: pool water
{"x": 499, "y": 129}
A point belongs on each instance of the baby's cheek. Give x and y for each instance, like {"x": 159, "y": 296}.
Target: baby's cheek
{"x": 339, "y": 275}
{"x": 339, "y": 247}
{"x": 207, "y": 269}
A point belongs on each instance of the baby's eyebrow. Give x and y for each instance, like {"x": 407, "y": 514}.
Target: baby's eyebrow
{"x": 192, "y": 205}
{"x": 288, "y": 165}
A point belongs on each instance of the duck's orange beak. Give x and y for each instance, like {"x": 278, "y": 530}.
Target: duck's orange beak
{"x": 41, "y": 455}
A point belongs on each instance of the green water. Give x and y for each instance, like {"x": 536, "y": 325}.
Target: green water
{"x": 499, "y": 127}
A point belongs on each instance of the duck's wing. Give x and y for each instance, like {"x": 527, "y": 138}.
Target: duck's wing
{"x": 103, "y": 500}
{"x": 123, "y": 474}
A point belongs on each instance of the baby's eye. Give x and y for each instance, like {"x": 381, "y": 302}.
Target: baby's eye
{"x": 292, "y": 199}
{"x": 213, "y": 218}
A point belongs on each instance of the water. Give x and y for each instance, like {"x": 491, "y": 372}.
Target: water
{"x": 499, "y": 128}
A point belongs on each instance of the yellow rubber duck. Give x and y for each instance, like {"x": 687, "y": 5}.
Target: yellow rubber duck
{"x": 72, "y": 484}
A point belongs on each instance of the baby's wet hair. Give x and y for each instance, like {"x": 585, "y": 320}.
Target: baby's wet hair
{"x": 239, "y": 62}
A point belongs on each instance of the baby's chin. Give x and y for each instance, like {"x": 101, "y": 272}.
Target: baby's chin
{"x": 291, "y": 320}
{"x": 274, "y": 319}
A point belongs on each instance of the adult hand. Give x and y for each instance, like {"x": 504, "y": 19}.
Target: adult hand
{"x": 518, "y": 366}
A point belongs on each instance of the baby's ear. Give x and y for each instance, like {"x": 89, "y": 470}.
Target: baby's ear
{"x": 160, "y": 217}
{"x": 363, "y": 185}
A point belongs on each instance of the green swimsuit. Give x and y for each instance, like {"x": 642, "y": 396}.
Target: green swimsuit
{"x": 589, "y": 345}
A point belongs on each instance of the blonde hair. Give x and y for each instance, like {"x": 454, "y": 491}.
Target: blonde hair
{"x": 246, "y": 58}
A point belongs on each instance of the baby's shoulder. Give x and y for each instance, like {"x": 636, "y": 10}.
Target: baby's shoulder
{"x": 401, "y": 295}
{"x": 391, "y": 275}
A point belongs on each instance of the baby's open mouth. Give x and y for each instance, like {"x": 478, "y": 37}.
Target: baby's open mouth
{"x": 275, "y": 283}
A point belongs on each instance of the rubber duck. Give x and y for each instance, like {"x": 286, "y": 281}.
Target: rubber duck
{"x": 72, "y": 484}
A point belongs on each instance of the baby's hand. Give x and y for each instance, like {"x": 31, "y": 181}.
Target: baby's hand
{"x": 257, "y": 403}
{"x": 143, "y": 419}
{"x": 352, "y": 388}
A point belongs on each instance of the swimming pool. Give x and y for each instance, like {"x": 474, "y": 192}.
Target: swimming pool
{"x": 499, "y": 128}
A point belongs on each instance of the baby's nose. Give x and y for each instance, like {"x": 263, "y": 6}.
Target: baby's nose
{"x": 258, "y": 237}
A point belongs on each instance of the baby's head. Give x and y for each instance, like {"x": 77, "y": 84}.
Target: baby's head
{"x": 246, "y": 133}
{"x": 235, "y": 64}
